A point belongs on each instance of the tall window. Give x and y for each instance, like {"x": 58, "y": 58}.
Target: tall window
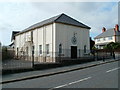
{"x": 60, "y": 48}
{"x": 32, "y": 36}
{"x": 84, "y": 48}
{"x": 33, "y": 49}
{"x": 40, "y": 49}
{"x": 47, "y": 48}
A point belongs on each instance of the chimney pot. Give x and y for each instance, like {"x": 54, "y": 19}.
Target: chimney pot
{"x": 104, "y": 29}
{"x": 117, "y": 27}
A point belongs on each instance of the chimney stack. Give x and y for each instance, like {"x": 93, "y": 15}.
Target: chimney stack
{"x": 104, "y": 29}
{"x": 116, "y": 27}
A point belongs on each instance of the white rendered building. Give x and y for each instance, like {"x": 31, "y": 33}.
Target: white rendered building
{"x": 48, "y": 41}
{"x": 107, "y": 36}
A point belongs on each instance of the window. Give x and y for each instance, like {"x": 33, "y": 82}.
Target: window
{"x": 98, "y": 40}
{"x": 104, "y": 39}
{"x": 109, "y": 38}
{"x": 60, "y": 48}
{"x": 47, "y": 48}
{"x": 32, "y": 36}
{"x": 40, "y": 49}
{"x": 84, "y": 48}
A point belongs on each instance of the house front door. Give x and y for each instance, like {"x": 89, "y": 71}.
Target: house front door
{"x": 73, "y": 52}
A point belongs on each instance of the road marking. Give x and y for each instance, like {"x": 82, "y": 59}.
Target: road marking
{"x": 113, "y": 69}
{"x": 71, "y": 83}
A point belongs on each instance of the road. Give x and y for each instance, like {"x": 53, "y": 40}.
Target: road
{"x": 102, "y": 76}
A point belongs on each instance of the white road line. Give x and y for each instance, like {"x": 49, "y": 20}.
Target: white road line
{"x": 61, "y": 86}
{"x": 113, "y": 69}
{"x": 72, "y": 83}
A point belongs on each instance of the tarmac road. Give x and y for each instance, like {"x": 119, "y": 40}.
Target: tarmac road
{"x": 102, "y": 76}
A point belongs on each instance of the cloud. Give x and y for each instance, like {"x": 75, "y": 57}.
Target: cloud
{"x": 4, "y": 25}
{"x": 98, "y": 15}
{"x": 18, "y": 16}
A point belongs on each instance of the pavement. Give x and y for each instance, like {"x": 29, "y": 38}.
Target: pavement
{"x": 48, "y": 72}
{"x": 103, "y": 75}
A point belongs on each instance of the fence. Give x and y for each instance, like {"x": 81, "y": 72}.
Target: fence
{"x": 106, "y": 54}
{"x": 66, "y": 55}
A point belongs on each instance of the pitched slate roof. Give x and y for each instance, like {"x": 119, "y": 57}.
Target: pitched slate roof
{"x": 62, "y": 18}
{"x": 107, "y": 33}
{"x": 13, "y": 34}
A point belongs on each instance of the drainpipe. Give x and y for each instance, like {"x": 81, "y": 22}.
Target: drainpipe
{"x": 52, "y": 41}
{"x": 32, "y": 49}
{"x": 32, "y": 58}
{"x": 115, "y": 34}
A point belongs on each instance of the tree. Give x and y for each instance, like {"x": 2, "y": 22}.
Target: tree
{"x": 112, "y": 46}
{"x": 92, "y": 43}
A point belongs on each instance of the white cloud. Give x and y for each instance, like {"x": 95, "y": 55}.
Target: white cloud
{"x": 98, "y": 15}
{"x": 18, "y": 16}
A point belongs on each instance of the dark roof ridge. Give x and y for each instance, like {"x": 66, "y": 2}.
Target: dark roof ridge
{"x": 61, "y": 18}
{"x": 84, "y": 26}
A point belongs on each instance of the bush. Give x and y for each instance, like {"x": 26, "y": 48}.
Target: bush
{"x": 112, "y": 46}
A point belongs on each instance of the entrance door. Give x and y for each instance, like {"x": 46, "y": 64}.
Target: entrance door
{"x": 73, "y": 52}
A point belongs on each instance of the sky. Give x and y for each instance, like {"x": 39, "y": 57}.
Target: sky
{"x": 17, "y": 16}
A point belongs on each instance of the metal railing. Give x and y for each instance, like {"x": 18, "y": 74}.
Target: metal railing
{"x": 26, "y": 61}
{"x": 66, "y": 54}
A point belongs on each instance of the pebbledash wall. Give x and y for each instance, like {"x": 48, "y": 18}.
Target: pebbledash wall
{"x": 51, "y": 42}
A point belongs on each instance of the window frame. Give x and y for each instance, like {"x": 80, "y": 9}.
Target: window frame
{"x": 47, "y": 49}
{"x": 40, "y": 49}
{"x": 60, "y": 49}
{"x": 85, "y": 49}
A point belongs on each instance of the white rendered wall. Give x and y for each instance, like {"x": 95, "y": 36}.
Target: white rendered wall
{"x": 104, "y": 41}
{"x": 64, "y": 33}
{"x": 54, "y": 34}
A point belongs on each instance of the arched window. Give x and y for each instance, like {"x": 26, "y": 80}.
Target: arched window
{"x": 47, "y": 48}
{"x": 60, "y": 48}
{"x": 84, "y": 48}
{"x": 40, "y": 49}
